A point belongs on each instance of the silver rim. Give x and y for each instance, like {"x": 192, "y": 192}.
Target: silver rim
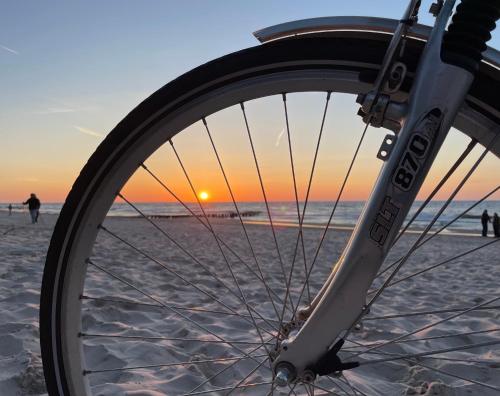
{"x": 159, "y": 134}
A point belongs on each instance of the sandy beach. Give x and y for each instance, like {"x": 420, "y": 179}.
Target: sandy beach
{"x": 149, "y": 334}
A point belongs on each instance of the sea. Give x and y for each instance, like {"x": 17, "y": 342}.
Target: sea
{"x": 317, "y": 213}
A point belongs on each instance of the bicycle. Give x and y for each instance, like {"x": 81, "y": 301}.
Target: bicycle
{"x": 412, "y": 80}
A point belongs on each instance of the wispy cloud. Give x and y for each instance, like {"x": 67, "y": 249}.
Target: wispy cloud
{"x": 88, "y": 131}
{"x": 278, "y": 139}
{"x": 56, "y": 110}
{"x": 12, "y": 51}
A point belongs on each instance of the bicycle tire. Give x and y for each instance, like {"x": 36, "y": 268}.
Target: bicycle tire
{"x": 310, "y": 53}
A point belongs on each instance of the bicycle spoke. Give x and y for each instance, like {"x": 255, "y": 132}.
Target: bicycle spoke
{"x": 492, "y": 363}
{"x": 158, "y": 338}
{"x": 431, "y": 267}
{"x": 264, "y": 196}
{"x": 191, "y": 309}
{"x": 152, "y": 366}
{"x": 296, "y": 195}
{"x": 301, "y": 216}
{"x": 424, "y": 338}
{"x": 288, "y": 279}
{"x": 433, "y": 324}
{"x": 430, "y": 312}
{"x": 187, "y": 281}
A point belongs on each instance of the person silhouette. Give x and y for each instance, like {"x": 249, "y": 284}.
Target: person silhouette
{"x": 10, "y": 209}
{"x": 34, "y": 206}
{"x": 485, "y": 218}
{"x": 496, "y": 225}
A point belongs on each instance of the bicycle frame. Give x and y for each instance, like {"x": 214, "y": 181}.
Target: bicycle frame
{"x": 437, "y": 94}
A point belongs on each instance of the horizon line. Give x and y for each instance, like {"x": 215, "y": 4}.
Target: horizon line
{"x": 262, "y": 201}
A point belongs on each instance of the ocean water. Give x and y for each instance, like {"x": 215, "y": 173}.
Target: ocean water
{"x": 317, "y": 213}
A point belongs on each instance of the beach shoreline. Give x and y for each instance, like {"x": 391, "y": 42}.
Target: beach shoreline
{"x": 247, "y": 219}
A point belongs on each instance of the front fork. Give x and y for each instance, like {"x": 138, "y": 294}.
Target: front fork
{"x": 437, "y": 94}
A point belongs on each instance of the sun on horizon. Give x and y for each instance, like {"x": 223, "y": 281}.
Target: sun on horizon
{"x": 203, "y": 195}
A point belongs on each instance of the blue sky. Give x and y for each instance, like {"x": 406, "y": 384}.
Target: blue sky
{"x": 71, "y": 70}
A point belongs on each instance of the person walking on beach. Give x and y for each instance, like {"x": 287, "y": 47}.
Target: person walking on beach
{"x": 10, "y": 209}
{"x": 496, "y": 225}
{"x": 34, "y": 206}
{"x": 485, "y": 218}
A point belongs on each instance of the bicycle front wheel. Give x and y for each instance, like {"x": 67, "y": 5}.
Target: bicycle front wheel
{"x": 192, "y": 305}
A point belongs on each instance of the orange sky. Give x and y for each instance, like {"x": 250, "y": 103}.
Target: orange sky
{"x": 50, "y": 174}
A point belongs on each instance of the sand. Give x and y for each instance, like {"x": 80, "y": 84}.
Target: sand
{"x": 467, "y": 281}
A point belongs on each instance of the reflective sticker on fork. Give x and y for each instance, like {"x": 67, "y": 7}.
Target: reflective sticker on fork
{"x": 406, "y": 174}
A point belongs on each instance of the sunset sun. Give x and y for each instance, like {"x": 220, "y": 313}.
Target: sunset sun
{"x": 203, "y": 195}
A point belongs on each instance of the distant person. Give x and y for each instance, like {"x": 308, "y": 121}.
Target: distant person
{"x": 10, "y": 209}
{"x": 496, "y": 225}
{"x": 34, "y": 206}
{"x": 485, "y": 218}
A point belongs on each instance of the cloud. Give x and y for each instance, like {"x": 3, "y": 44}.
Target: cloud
{"x": 278, "y": 139}
{"x": 87, "y": 131}
{"x": 12, "y": 51}
{"x": 55, "y": 110}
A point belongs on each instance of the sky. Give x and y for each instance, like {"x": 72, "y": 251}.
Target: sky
{"x": 70, "y": 71}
